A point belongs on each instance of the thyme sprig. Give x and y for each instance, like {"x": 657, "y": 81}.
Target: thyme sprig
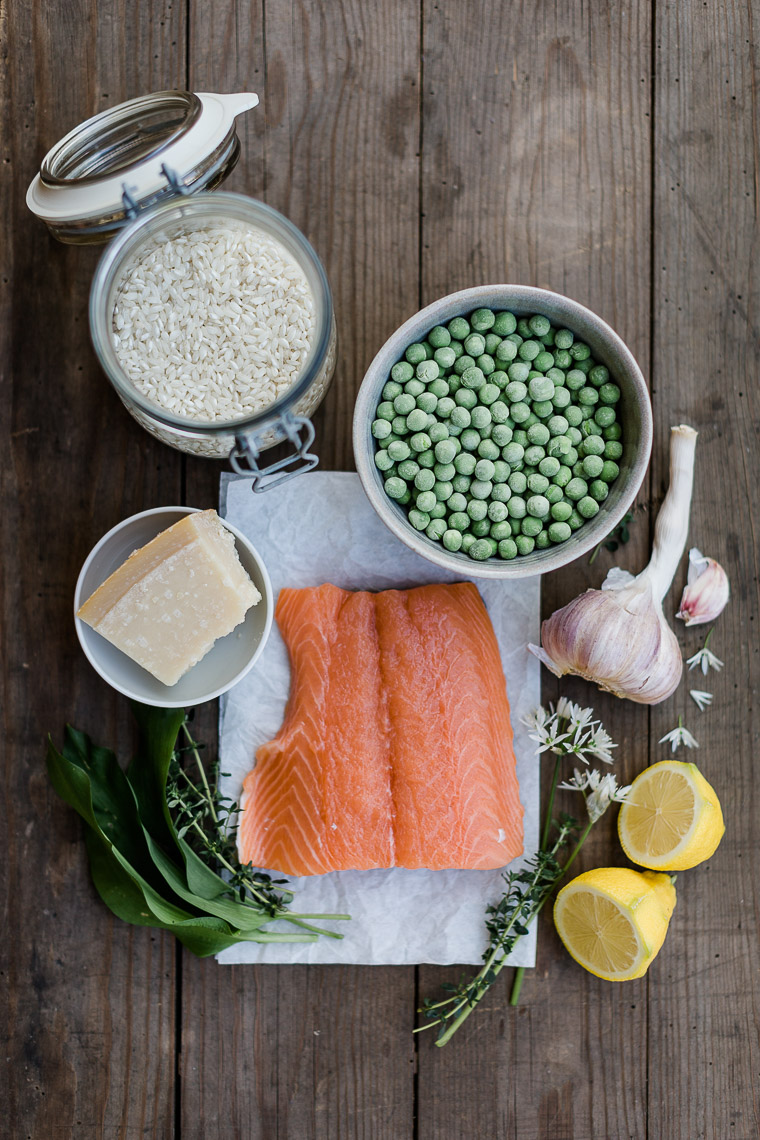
{"x": 568, "y": 731}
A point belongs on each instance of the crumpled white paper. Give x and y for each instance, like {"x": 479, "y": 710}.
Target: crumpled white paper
{"x": 321, "y": 528}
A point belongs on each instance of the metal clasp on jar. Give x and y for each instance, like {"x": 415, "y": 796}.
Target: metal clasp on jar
{"x": 244, "y": 457}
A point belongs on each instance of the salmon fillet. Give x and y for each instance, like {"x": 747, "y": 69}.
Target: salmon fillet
{"x": 396, "y": 746}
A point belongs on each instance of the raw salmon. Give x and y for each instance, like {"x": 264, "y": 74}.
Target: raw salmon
{"x": 396, "y": 747}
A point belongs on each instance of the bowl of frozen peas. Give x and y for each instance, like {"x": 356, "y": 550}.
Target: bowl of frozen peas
{"x": 502, "y": 431}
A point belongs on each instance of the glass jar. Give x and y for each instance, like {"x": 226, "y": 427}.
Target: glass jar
{"x": 130, "y": 176}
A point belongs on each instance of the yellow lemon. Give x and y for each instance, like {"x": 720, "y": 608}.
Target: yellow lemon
{"x": 613, "y": 920}
{"x": 671, "y": 819}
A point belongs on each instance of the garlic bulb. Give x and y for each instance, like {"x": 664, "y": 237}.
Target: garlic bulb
{"x": 707, "y": 590}
{"x": 618, "y": 636}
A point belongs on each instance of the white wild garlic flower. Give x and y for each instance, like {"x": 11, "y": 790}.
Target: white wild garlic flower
{"x": 701, "y": 699}
{"x": 678, "y": 736}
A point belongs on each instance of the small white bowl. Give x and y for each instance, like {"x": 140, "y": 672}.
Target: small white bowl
{"x": 222, "y": 667}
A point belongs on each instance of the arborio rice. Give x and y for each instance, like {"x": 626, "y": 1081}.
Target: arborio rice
{"x": 214, "y": 324}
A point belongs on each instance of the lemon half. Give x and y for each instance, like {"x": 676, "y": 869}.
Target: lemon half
{"x": 671, "y": 819}
{"x": 613, "y": 920}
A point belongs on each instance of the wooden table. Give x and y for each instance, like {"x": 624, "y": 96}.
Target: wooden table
{"x": 607, "y": 151}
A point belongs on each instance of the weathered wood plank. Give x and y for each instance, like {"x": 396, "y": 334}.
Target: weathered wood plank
{"x": 88, "y": 1002}
{"x": 315, "y": 1052}
{"x": 536, "y": 169}
{"x": 704, "y": 1021}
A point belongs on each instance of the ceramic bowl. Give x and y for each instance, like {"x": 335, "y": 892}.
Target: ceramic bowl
{"x": 634, "y": 414}
{"x": 223, "y": 666}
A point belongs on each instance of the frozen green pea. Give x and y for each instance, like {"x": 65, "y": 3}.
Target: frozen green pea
{"x": 558, "y": 447}
{"x": 501, "y": 493}
{"x": 416, "y": 353}
{"x": 571, "y": 457}
{"x": 452, "y": 540}
{"x": 612, "y": 433}
{"x": 542, "y": 409}
{"x": 391, "y": 438}
{"x": 427, "y": 402}
{"x": 420, "y": 442}
{"x": 398, "y": 423}
{"x": 439, "y": 337}
{"x": 561, "y": 511}
{"x": 427, "y": 371}
{"x": 549, "y": 466}
{"x": 484, "y": 469}
{"x": 499, "y": 412}
{"x": 554, "y": 493}
{"x": 501, "y": 435}
{"x": 541, "y": 388}
{"x": 599, "y": 375}
{"x": 562, "y": 359}
{"x": 563, "y": 338}
{"x": 588, "y": 507}
{"x": 488, "y": 394}
{"x": 538, "y": 506}
{"x": 481, "y": 488}
{"x": 604, "y": 415}
{"x": 461, "y": 483}
{"x": 445, "y": 451}
{"x": 556, "y": 425}
{"x": 426, "y": 458}
{"x": 504, "y": 323}
{"x": 506, "y": 352}
{"x": 383, "y": 461}
{"x": 465, "y": 463}
{"x": 487, "y": 449}
{"x": 473, "y": 378}
{"x": 580, "y": 351}
{"x": 405, "y": 498}
{"x": 439, "y": 432}
{"x": 425, "y": 501}
{"x": 578, "y": 471}
{"x": 517, "y": 482}
{"x": 470, "y": 439}
{"x": 385, "y": 410}
{"x": 592, "y": 445}
{"x": 537, "y": 483}
{"x": 598, "y": 490}
{"x": 610, "y": 471}
{"x": 501, "y": 471}
{"x": 456, "y": 501}
{"x": 513, "y": 453}
{"x": 481, "y": 417}
{"x": 534, "y": 454}
{"x": 529, "y": 350}
{"x": 574, "y": 435}
{"x": 500, "y": 530}
{"x": 477, "y": 509}
{"x": 468, "y": 540}
{"x": 544, "y": 361}
{"x": 458, "y": 328}
{"x": 525, "y": 544}
{"x": 520, "y": 436}
{"x": 559, "y": 531}
{"x": 381, "y": 429}
{"x": 531, "y": 526}
{"x": 482, "y": 549}
{"x": 538, "y": 433}
{"x": 443, "y": 490}
{"x": 398, "y": 450}
{"x": 575, "y": 380}
{"x": 463, "y": 363}
{"x": 480, "y": 527}
{"x": 576, "y": 521}
{"x": 395, "y": 487}
{"x": 439, "y": 387}
{"x": 454, "y": 382}
{"x": 486, "y": 364}
{"x": 539, "y": 324}
{"x": 587, "y": 410}
{"x": 592, "y": 466}
{"x": 518, "y": 372}
{"x": 474, "y": 344}
{"x": 459, "y": 520}
{"x": 609, "y": 393}
{"x": 573, "y": 415}
{"x": 499, "y": 378}
{"x": 497, "y": 511}
{"x": 414, "y": 388}
{"x": 492, "y": 343}
{"x": 445, "y": 407}
{"x": 408, "y": 469}
{"x": 613, "y": 450}
{"x": 542, "y": 540}
{"x": 517, "y": 507}
{"x": 436, "y": 529}
{"x": 563, "y": 476}
{"x": 519, "y": 412}
{"x": 403, "y": 404}
{"x": 416, "y": 420}
{"x": 587, "y": 396}
{"x": 457, "y": 348}
{"x": 444, "y": 471}
{"x": 420, "y": 520}
{"x": 560, "y": 399}
{"x": 507, "y": 549}
{"x": 466, "y": 398}
{"x": 516, "y": 391}
{"x": 483, "y": 319}
{"x": 400, "y": 373}
{"x": 576, "y": 489}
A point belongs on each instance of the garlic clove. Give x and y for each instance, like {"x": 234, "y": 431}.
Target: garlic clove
{"x": 707, "y": 590}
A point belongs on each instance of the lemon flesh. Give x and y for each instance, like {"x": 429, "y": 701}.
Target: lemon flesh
{"x": 672, "y": 818}
{"x": 613, "y": 920}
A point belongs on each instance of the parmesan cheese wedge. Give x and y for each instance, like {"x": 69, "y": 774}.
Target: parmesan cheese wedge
{"x": 174, "y": 597}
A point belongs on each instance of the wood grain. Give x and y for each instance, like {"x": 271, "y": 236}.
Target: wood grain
{"x": 82, "y": 993}
{"x": 325, "y": 1051}
{"x": 703, "y": 1009}
{"x": 535, "y": 162}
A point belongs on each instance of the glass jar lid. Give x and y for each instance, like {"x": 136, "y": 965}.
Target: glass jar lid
{"x": 133, "y": 155}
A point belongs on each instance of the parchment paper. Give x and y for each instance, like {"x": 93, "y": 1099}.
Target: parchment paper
{"x": 319, "y": 528}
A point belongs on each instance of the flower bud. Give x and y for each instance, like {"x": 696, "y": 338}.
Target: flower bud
{"x": 706, "y": 592}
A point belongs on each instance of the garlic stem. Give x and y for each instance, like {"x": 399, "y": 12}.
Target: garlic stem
{"x": 672, "y": 526}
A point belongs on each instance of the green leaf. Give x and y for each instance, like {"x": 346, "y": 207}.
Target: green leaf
{"x": 149, "y": 767}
